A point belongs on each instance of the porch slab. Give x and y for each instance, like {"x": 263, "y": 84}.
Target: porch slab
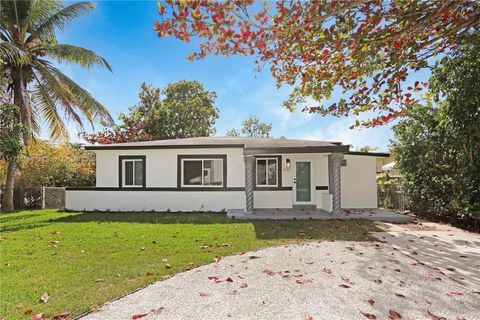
{"x": 379, "y": 215}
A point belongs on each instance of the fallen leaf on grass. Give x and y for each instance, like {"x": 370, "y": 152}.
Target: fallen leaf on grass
{"x": 38, "y": 316}
{"x": 44, "y": 298}
{"x": 368, "y": 315}
{"x": 95, "y": 308}
{"x": 394, "y": 314}
{"x": 139, "y": 316}
{"x": 26, "y": 312}
{"x": 61, "y": 315}
{"x": 371, "y": 302}
{"x": 452, "y": 294}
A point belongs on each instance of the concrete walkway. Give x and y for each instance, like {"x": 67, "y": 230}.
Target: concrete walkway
{"x": 446, "y": 249}
{"x": 319, "y": 280}
{"x": 379, "y": 215}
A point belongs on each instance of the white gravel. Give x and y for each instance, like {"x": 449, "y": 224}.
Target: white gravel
{"x": 294, "y": 282}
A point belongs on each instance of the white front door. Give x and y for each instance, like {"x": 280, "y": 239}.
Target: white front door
{"x": 303, "y": 181}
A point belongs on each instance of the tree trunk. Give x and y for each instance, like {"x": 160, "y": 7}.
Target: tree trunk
{"x": 7, "y": 198}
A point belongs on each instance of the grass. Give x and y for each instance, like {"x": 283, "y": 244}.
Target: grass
{"x": 85, "y": 259}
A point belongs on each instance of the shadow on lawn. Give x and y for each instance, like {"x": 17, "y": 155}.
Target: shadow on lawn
{"x": 357, "y": 230}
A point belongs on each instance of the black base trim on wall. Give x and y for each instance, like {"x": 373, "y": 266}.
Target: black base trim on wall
{"x": 182, "y": 189}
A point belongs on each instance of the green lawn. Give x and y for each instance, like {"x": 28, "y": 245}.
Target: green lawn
{"x": 86, "y": 259}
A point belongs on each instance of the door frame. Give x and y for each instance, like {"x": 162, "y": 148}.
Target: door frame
{"x": 312, "y": 180}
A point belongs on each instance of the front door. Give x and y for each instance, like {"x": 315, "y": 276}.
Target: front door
{"x": 302, "y": 182}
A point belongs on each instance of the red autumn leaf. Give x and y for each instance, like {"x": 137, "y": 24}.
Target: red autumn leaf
{"x": 327, "y": 271}
{"x": 346, "y": 279}
{"x": 38, "y": 316}
{"x": 300, "y": 281}
{"x": 432, "y": 316}
{"x": 26, "y": 312}
{"x": 150, "y": 273}
{"x": 452, "y": 294}
{"x": 394, "y": 314}
{"x": 344, "y": 286}
{"x": 399, "y": 295}
{"x": 269, "y": 272}
{"x": 371, "y": 302}
{"x": 368, "y": 315}
{"x": 203, "y": 294}
{"x": 243, "y": 285}
{"x": 308, "y": 317}
{"x": 214, "y": 278}
{"x": 61, "y": 315}
{"x": 139, "y": 316}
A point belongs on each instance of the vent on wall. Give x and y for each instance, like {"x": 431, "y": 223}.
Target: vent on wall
{"x": 344, "y": 162}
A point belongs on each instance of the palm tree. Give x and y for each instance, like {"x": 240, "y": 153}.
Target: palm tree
{"x": 28, "y": 46}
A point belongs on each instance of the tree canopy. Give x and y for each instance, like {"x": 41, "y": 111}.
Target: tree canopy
{"x": 252, "y": 127}
{"x": 366, "y": 49}
{"x": 183, "y": 109}
{"x": 437, "y": 146}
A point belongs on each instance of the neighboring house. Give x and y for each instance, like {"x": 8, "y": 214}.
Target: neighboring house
{"x": 216, "y": 173}
{"x": 381, "y": 161}
{"x": 391, "y": 171}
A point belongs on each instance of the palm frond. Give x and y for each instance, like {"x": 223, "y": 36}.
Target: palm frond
{"x": 61, "y": 19}
{"x": 94, "y": 111}
{"x": 66, "y": 53}
{"x": 47, "y": 108}
{"x": 58, "y": 92}
{"x": 12, "y": 54}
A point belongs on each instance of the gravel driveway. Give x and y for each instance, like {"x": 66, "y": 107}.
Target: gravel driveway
{"x": 320, "y": 280}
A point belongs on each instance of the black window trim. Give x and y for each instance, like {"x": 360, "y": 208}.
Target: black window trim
{"x": 144, "y": 170}
{"x": 182, "y": 157}
{"x": 279, "y": 174}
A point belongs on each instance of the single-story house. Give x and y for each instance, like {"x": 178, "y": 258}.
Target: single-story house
{"x": 218, "y": 173}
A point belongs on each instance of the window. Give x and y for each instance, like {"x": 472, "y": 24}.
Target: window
{"x": 202, "y": 172}
{"x": 267, "y": 172}
{"x": 132, "y": 172}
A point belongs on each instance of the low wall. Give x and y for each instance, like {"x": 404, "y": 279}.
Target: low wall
{"x": 91, "y": 200}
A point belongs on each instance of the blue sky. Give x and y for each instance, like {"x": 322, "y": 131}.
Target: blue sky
{"x": 122, "y": 32}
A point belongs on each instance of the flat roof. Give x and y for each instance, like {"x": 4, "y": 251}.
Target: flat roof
{"x": 251, "y": 145}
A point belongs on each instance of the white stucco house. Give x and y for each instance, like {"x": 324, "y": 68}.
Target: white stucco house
{"x": 218, "y": 173}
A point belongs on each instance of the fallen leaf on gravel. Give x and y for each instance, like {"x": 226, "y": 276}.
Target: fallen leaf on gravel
{"x": 450, "y": 269}
{"x": 344, "y": 286}
{"x": 139, "y": 316}
{"x": 308, "y": 317}
{"x": 269, "y": 272}
{"x": 434, "y": 317}
{"x": 214, "y": 279}
{"x": 377, "y": 281}
{"x": 254, "y": 257}
{"x": 371, "y": 302}
{"x": 397, "y": 270}
{"x": 38, "y": 316}
{"x": 327, "y": 271}
{"x": 61, "y": 315}
{"x": 399, "y": 295}
{"x": 203, "y": 294}
{"x": 368, "y": 315}
{"x": 243, "y": 285}
{"x": 44, "y": 298}
{"x": 429, "y": 302}
{"x": 452, "y": 294}
{"x": 346, "y": 280}
{"x": 157, "y": 310}
{"x": 300, "y": 281}
{"x": 26, "y": 312}
{"x": 394, "y": 314}
{"x": 229, "y": 279}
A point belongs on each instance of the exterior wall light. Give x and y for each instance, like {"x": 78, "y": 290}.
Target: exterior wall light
{"x": 288, "y": 164}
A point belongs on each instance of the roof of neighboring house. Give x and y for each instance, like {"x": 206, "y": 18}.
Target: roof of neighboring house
{"x": 372, "y": 154}
{"x": 251, "y": 145}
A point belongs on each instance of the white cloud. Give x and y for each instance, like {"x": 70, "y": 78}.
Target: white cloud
{"x": 339, "y": 130}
